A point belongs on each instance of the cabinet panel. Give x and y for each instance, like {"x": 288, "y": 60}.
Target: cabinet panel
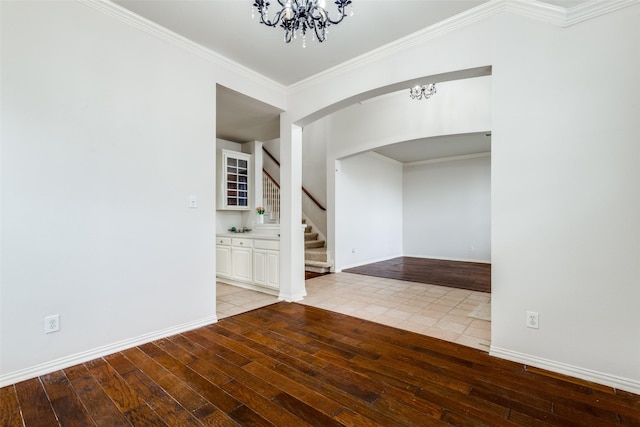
{"x": 242, "y": 264}
{"x": 223, "y": 261}
{"x": 273, "y": 269}
{"x": 266, "y": 268}
{"x": 260, "y": 267}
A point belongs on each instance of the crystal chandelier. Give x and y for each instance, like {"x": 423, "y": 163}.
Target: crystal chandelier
{"x": 424, "y": 91}
{"x": 299, "y": 16}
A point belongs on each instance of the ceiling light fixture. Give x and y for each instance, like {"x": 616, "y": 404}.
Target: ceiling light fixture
{"x": 424, "y": 91}
{"x": 299, "y": 16}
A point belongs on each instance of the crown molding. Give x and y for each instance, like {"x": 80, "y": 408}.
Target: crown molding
{"x": 534, "y": 9}
{"x": 439, "y": 29}
{"x": 448, "y": 159}
{"x": 594, "y": 9}
{"x": 126, "y": 16}
{"x": 540, "y": 11}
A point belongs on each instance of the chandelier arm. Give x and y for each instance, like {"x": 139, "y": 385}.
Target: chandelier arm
{"x": 301, "y": 15}
{"x": 320, "y": 34}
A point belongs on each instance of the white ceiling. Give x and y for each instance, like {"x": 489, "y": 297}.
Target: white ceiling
{"x": 437, "y": 147}
{"x": 226, "y": 27}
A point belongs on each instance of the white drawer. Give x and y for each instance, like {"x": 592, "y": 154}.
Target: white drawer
{"x": 245, "y": 243}
{"x": 267, "y": 244}
{"x": 223, "y": 240}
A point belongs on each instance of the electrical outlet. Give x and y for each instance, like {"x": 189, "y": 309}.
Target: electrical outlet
{"x": 532, "y": 319}
{"x": 51, "y": 323}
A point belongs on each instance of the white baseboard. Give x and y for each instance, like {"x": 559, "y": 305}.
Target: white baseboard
{"x": 614, "y": 381}
{"x": 75, "y": 359}
{"x": 292, "y": 298}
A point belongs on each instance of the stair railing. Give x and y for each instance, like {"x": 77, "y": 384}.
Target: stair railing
{"x": 271, "y": 195}
{"x": 304, "y": 190}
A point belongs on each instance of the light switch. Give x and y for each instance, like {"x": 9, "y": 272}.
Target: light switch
{"x": 193, "y": 201}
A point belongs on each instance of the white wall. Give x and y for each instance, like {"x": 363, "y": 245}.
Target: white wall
{"x": 314, "y": 177}
{"x": 565, "y": 197}
{"x": 106, "y": 131}
{"x": 368, "y": 210}
{"x": 459, "y": 107}
{"x": 565, "y": 194}
{"x": 447, "y": 209}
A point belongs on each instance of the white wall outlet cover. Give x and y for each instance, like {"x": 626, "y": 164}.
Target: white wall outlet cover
{"x": 532, "y": 320}
{"x": 51, "y": 323}
{"x": 193, "y": 201}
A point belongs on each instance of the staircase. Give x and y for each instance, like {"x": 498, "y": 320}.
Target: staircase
{"x": 315, "y": 252}
{"x": 316, "y": 258}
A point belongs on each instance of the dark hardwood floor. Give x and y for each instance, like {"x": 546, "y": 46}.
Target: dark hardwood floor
{"x": 473, "y": 276}
{"x": 294, "y": 365}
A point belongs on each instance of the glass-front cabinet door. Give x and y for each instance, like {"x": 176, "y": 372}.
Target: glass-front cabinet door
{"x": 234, "y": 177}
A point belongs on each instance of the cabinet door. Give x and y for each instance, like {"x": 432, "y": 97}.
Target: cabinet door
{"x": 233, "y": 178}
{"x": 241, "y": 264}
{"x": 273, "y": 269}
{"x": 260, "y": 267}
{"x": 223, "y": 261}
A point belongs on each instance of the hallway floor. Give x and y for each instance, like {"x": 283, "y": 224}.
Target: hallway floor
{"x": 454, "y": 315}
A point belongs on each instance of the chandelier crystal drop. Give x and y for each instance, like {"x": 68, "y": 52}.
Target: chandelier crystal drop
{"x": 424, "y": 91}
{"x": 297, "y": 17}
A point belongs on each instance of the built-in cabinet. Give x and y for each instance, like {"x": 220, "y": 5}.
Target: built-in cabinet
{"x": 249, "y": 263}
{"x": 223, "y": 257}
{"x": 266, "y": 263}
{"x": 234, "y": 178}
{"x": 242, "y": 259}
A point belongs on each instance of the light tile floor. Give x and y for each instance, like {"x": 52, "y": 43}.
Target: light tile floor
{"x": 431, "y": 310}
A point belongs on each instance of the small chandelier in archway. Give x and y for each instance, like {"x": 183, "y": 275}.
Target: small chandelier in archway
{"x": 297, "y": 17}
{"x": 424, "y": 91}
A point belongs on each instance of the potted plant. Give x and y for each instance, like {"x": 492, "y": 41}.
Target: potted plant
{"x": 260, "y": 210}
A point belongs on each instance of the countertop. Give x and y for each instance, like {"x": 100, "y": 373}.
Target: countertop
{"x": 250, "y": 235}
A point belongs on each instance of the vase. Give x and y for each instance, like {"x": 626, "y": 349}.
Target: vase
{"x": 260, "y": 219}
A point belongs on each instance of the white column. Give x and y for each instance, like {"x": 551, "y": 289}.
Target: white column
{"x": 255, "y": 148}
{"x": 291, "y": 232}
{"x": 333, "y": 183}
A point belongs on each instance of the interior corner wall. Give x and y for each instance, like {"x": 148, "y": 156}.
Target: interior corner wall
{"x": 447, "y": 210}
{"x": 106, "y": 131}
{"x": 368, "y": 219}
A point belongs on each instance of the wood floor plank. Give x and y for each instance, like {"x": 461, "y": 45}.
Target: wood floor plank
{"x": 155, "y": 396}
{"x": 205, "y": 355}
{"x": 9, "y": 409}
{"x": 204, "y": 381}
{"x": 309, "y": 414}
{"x": 182, "y": 393}
{"x": 133, "y": 406}
{"x": 34, "y": 404}
{"x": 266, "y": 408}
{"x": 294, "y": 365}
{"x": 93, "y": 397}
{"x": 66, "y": 404}
{"x": 306, "y": 395}
{"x": 344, "y": 380}
{"x": 209, "y": 415}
